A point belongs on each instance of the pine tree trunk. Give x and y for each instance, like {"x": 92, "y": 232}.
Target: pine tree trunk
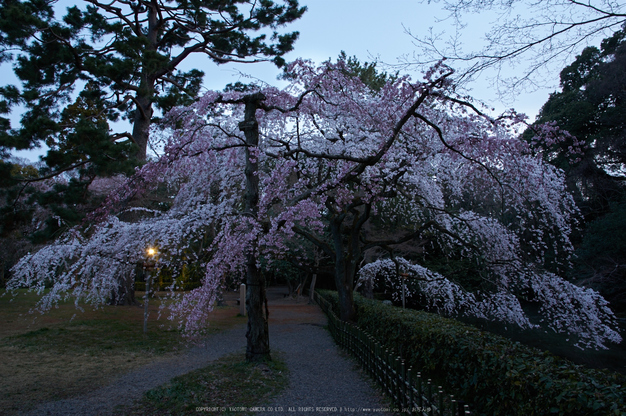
{"x": 141, "y": 124}
{"x": 145, "y": 92}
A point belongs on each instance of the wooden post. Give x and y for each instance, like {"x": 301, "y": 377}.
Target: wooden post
{"x": 431, "y": 402}
{"x": 314, "y": 278}
{"x": 409, "y": 377}
{"x": 242, "y": 299}
{"x": 145, "y": 302}
{"x": 440, "y": 393}
{"x": 404, "y": 276}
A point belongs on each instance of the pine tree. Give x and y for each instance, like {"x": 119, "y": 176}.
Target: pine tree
{"x": 105, "y": 62}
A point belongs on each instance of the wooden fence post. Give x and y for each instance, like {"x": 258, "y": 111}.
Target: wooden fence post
{"x": 242, "y": 300}
{"x": 145, "y": 302}
{"x": 396, "y": 377}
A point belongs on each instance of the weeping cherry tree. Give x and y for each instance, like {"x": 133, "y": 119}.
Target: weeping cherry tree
{"x": 333, "y": 163}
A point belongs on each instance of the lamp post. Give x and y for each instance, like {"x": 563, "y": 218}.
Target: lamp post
{"x": 148, "y": 267}
{"x": 404, "y": 277}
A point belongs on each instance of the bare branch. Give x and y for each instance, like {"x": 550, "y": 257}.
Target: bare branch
{"x": 554, "y": 30}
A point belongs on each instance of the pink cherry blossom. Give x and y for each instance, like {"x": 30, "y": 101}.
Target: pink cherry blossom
{"x": 334, "y": 155}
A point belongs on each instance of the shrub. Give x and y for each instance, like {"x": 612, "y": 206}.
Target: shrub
{"x": 494, "y": 375}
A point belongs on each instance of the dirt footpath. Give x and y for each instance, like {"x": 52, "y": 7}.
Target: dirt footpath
{"x": 322, "y": 377}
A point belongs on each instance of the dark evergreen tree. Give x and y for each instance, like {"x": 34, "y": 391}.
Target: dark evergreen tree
{"x": 103, "y": 62}
{"x": 127, "y": 52}
{"x": 592, "y": 107}
{"x": 367, "y": 72}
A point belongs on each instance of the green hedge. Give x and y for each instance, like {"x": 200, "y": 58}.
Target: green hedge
{"x": 494, "y": 375}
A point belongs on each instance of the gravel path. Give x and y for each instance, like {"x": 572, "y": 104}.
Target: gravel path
{"x": 131, "y": 386}
{"x": 323, "y": 379}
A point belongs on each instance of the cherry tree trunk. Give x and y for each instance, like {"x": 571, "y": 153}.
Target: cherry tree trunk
{"x": 257, "y": 334}
{"x": 345, "y": 230}
{"x": 347, "y": 311}
{"x": 125, "y": 293}
{"x": 345, "y": 270}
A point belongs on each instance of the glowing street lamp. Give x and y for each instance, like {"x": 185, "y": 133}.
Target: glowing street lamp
{"x": 149, "y": 264}
{"x": 151, "y": 255}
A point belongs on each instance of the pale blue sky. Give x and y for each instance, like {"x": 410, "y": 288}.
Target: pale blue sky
{"x": 367, "y": 29}
{"x": 375, "y": 30}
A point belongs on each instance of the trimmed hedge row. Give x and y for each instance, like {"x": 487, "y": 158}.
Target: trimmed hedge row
{"x": 494, "y": 375}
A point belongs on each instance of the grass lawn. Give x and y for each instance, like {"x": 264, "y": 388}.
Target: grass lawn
{"x": 228, "y": 386}
{"x": 52, "y": 356}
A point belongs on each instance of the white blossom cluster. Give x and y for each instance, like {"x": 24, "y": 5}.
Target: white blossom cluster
{"x": 564, "y": 306}
{"x": 412, "y": 155}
